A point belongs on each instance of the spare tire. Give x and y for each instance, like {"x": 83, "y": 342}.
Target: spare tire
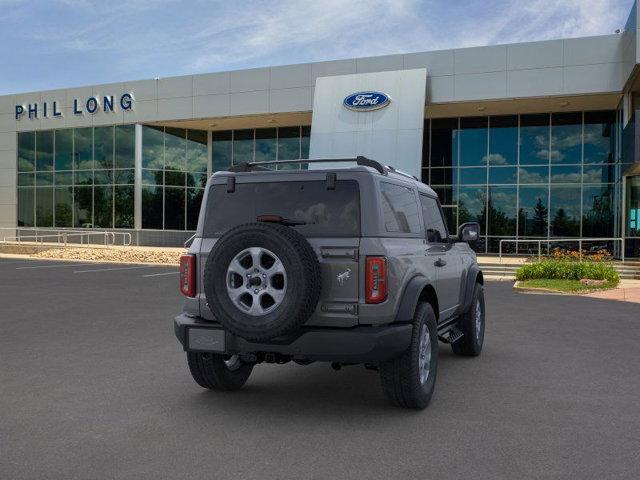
{"x": 262, "y": 280}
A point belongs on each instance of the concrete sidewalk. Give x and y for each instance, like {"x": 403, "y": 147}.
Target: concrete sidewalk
{"x": 627, "y": 291}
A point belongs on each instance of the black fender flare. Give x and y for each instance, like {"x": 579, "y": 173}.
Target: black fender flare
{"x": 474, "y": 275}
{"x": 409, "y": 300}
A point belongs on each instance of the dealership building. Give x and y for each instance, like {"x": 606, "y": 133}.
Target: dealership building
{"x": 536, "y": 141}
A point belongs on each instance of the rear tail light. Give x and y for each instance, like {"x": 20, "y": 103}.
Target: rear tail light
{"x": 376, "y": 280}
{"x": 188, "y": 275}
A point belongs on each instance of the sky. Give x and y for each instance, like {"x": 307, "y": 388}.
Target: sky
{"x": 48, "y": 44}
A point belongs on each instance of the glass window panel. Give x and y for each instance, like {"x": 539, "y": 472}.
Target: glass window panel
{"x": 597, "y": 211}
{"x": 266, "y": 144}
{"x": 451, "y": 217}
{"x": 103, "y": 177}
{"x": 600, "y": 173}
{"x": 473, "y": 141}
{"x": 44, "y": 150}
{"x": 103, "y": 147}
{"x": 83, "y": 148}
{"x": 26, "y": 151}
{"x": 103, "y": 207}
{"x": 566, "y": 138}
{"x": 599, "y": 140}
{"x": 126, "y": 176}
{"x": 436, "y": 232}
{"x": 64, "y": 206}
{"x": 152, "y": 177}
{"x": 501, "y": 208}
{"x": 44, "y": 207}
{"x": 443, "y": 176}
{"x": 197, "y": 151}
{"x": 196, "y": 179}
{"x": 400, "y": 209}
{"x": 533, "y": 212}
{"x": 64, "y": 149}
{"x": 288, "y": 143}
{"x": 444, "y": 138}
{"x": 471, "y": 205}
{"x": 152, "y": 147}
{"x": 473, "y": 176}
{"x": 242, "y": 146}
{"x": 175, "y": 149}
{"x": 26, "y": 202}
{"x": 564, "y": 211}
{"x": 176, "y": 179}
{"x": 83, "y": 177}
{"x": 500, "y": 175}
{"x": 305, "y": 141}
{"x": 566, "y": 174}
{"x": 445, "y": 194}
{"x": 26, "y": 179}
{"x": 125, "y": 148}
{"x": 534, "y": 139}
{"x": 152, "y": 207}
{"x": 194, "y": 200}
{"x": 503, "y": 140}
{"x": 174, "y": 206}
{"x": 82, "y": 206}
{"x": 123, "y": 200}
{"x": 534, "y": 175}
{"x": 632, "y": 207}
{"x": 44, "y": 179}
{"x": 221, "y": 146}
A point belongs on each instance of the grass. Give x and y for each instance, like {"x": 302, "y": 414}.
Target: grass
{"x": 563, "y": 285}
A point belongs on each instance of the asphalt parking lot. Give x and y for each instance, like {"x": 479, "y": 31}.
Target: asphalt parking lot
{"x": 93, "y": 385}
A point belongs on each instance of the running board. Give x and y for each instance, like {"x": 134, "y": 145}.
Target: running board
{"x": 451, "y": 335}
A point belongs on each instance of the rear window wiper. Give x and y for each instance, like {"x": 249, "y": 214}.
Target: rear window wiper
{"x": 281, "y": 220}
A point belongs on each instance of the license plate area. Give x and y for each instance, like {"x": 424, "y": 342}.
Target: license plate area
{"x": 205, "y": 340}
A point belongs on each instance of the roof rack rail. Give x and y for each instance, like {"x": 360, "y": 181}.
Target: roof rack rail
{"x": 260, "y": 166}
{"x": 404, "y": 174}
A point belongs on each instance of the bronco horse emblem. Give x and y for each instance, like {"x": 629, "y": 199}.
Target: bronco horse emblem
{"x": 343, "y": 277}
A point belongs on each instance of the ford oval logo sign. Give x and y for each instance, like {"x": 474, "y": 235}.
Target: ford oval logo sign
{"x": 366, "y": 101}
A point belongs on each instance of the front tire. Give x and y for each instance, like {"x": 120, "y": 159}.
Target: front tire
{"x": 408, "y": 381}
{"x": 218, "y": 372}
{"x": 471, "y": 324}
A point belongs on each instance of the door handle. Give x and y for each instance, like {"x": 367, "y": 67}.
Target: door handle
{"x": 440, "y": 263}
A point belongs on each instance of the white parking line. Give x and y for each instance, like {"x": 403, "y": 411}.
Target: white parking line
{"x": 112, "y": 269}
{"x": 53, "y": 266}
{"x": 159, "y": 274}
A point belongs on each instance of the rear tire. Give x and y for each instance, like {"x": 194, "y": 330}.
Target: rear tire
{"x": 471, "y": 323}
{"x": 218, "y": 372}
{"x": 403, "y": 379}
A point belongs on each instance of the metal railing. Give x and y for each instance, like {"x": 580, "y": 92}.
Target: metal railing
{"x": 549, "y": 242}
{"x": 67, "y": 237}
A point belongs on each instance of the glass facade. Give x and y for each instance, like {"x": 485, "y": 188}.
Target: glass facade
{"x": 174, "y": 173}
{"x": 77, "y": 177}
{"x": 537, "y": 176}
{"x": 232, "y": 147}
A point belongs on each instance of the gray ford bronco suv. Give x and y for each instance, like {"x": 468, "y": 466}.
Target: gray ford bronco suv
{"x": 344, "y": 265}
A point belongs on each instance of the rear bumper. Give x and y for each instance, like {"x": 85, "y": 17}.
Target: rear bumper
{"x": 362, "y": 344}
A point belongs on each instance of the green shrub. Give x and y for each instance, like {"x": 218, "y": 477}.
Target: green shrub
{"x": 558, "y": 269}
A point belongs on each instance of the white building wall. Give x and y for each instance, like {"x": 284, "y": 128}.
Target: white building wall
{"x": 392, "y": 135}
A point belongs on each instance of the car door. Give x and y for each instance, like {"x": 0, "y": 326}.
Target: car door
{"x": 441, "y": 257}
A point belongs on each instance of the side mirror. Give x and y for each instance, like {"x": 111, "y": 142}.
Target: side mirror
{"x": 469, "y": 232}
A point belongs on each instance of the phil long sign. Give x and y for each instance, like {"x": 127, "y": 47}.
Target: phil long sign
{"x": 91, "y": 105}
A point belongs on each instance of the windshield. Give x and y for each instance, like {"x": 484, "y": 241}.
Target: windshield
{"x": 321, "y": 212}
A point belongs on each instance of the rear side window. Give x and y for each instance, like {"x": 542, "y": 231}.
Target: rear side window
{"x": 433, "y": 222}
{"x": 327, "y": 213}
{"x": 400, "y": 209}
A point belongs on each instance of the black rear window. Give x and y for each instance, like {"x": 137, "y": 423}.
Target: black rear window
{"x": 327, "y": 213}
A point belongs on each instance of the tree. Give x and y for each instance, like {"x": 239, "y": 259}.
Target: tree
{"x": 540, "y": 222}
